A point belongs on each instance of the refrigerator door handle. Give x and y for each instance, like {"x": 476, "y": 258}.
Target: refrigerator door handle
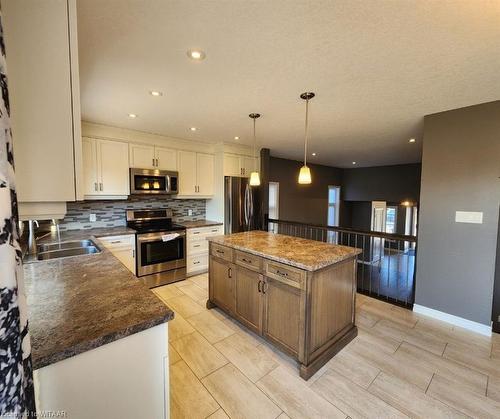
{"x": 247, "y": 206}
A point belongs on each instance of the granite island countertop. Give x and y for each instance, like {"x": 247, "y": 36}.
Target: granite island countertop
{"x": 304, "y": 254}
{"x": 79, "y": 303}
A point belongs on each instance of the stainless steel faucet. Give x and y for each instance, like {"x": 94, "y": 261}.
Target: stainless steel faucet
{"x": 31, "y": 238}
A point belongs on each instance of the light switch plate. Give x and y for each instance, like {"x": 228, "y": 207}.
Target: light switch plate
{"x": 93, "y": 218}
{"x": 473, "y": 217}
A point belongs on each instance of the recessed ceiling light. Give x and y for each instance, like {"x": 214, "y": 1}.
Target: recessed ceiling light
{"x": 236, "y": 138}
{"x": 313, "y": 154}
{"x": 353, "y": 162}
{"x": 196, "y": 54}
{"x": 132, "y": 115}
{"x": 155, "y": 93}
{"x": 193, "y": 129}
{"x": 411, "y": 140}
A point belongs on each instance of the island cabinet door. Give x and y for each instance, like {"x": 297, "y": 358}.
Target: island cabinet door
{"x": 284, "y": 321}
{"x": 222, "y": 281}
{"x": 249, "y": 285}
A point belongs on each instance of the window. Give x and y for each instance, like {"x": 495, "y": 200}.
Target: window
{"x": 274, "y": 201}
{"x": 333, "y": 205}
{"x": 390, "y": 220}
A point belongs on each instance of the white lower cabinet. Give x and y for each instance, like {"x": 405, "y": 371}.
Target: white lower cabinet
{"x": 197, "y": 248}
{"x": 123, "y": 248}
{"x": 125, "y": 379}
{"x": 105, "y": 168}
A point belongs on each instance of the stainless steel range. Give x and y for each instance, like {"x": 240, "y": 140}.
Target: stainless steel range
{"x": 160, "y": 246}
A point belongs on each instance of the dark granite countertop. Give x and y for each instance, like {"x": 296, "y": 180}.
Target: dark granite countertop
{"x": 200, "y": 223}
{"x": 305, "y": 254}
{"x": 80, "y": 303}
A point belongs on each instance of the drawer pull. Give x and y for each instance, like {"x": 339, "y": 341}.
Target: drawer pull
{"x": 229, "y": 272}
{"x": 265, "y": 286}
{"x": 196, "y": 245}
{"x": 246, "y": 260}
{"x": 281, "y": 273}
{"x": 258, "y": 286}
{"x": 220, "y": 251}
{"x": 196, "y": 263}
{"x": 196, "y": 232}
{"x": 215, "y": 231}
{"x": 116, "y": 241}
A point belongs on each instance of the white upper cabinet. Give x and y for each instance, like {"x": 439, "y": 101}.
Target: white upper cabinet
{"x": 143, "y": 156}
{"x": 236, "y": 165}
{"x": 248, "y": 165}
{"x": 42, "y": 60}
{"x": 205, "y": 173}
{"x": 196, "y": 174}
{"x": 106, "y": 168}
{"x": 166, "y": 158}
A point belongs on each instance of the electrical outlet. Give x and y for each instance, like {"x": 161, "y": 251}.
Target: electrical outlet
{"x": 93, "y": 218}
{"x": 190, "y": 212}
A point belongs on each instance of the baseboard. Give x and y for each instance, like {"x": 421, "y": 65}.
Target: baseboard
{"x": 455, "y": 320}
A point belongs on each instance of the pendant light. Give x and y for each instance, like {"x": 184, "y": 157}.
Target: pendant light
{"x": 254, "y": 176}
{"x": 305, "y": 172}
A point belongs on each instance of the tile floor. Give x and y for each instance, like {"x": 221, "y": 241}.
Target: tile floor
{"x": 401, "y": 365}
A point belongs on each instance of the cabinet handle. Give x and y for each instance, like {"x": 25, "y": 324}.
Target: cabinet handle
{"x": 133, "y": 253}
{"x": 196, "y": 245}
{"x": 95, "y": 186}
{"x": 157, "y": 163}
{"x": 229, "y": 272}
{"x": 258, "y": 286}
{"x": 196, "y": 263}
{"x": 100, "y": 186}
{"x": 196, "y": 232}
{"x": 116, "y": 241}
{"x": 246, "y": 260}
{"x": 265, "y": 286}
{"x": 153, "y": 162}
{"x": 281, "y": 273}
{"x": 220, "y": 251}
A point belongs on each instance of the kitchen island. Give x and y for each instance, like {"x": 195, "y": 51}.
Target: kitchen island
{"x": 298, "y": 294}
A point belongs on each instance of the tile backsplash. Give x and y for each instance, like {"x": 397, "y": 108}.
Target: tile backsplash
{"x": 112, "y": 213}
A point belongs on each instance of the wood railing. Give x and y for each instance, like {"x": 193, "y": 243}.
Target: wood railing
{"x": 386, "y": 266}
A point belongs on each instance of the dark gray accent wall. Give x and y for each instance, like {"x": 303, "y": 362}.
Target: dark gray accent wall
{"x": 303, "y": 203}
{"x": 383, "y": 183}
{"x": 460, "y": 172}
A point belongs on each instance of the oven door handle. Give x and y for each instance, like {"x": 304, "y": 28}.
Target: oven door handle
{"x": 158, "y": 238}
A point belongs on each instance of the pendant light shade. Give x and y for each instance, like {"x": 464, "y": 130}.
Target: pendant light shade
{"x": 305, "y": 172}
{"x": 254, "y": 176}
{"x": 305, "y": 175}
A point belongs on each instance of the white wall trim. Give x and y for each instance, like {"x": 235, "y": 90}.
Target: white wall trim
{"x": 455, "y": 320}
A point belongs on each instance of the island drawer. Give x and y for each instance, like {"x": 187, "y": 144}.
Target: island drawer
{"x": 286, "y": 274}
{"x": 248, "y": 261}
{"x": 202, "y": 232}
{"x": 222, "y": 252}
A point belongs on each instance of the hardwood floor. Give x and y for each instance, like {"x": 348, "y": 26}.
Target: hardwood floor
{"x": 400, "y": 365}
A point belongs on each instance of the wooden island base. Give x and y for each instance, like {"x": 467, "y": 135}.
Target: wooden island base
{"x": 308, "y": 314}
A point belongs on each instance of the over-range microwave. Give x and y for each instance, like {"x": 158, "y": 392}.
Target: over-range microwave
{"x": 153, "y": 181}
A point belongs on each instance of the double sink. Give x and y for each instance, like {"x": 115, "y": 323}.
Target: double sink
{"x": 65, "y": 249}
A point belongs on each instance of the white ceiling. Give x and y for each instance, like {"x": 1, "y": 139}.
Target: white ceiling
{"x": 377, "y": 67}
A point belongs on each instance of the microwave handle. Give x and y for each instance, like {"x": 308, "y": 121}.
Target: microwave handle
{"x": 169, "y": 187}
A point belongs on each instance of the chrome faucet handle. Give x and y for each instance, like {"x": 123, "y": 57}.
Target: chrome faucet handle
{"x": 36, "y": 222}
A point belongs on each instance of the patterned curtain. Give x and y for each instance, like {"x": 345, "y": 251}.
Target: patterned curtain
{"x": 16, "y": 378}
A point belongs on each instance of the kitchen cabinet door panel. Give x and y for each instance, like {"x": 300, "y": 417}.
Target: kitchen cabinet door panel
{"x": 90, "y": 179}
{"x": 232, "y": 166}
{"x": 141, "y": 156}
{"x": 222, "y": 282}
{"x": 249, "y": 298}
{"x": 187, "y": 172}
{"x": 166, "y": 158}
{"x": 205, "y": 173}
{"x": 282, "y": 319}
{"x": 248, "y": 164}
{"x": 113, "y": 165}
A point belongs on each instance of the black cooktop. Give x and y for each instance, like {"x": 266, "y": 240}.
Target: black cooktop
{"x": 152, "y": 221}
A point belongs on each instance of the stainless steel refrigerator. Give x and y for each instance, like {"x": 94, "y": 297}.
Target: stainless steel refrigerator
{"x": 242, "y": 205}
